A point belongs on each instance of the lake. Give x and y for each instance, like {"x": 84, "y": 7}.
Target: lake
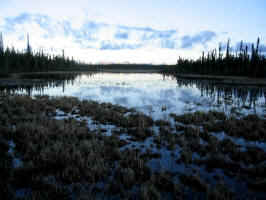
{"x": 154, "y": 94}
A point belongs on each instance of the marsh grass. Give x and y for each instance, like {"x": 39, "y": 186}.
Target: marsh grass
{"x": 199, "y": 117}
{"x": 66, "y": 148}
{"x": 219, "y": 192}
{"x": 148, "y": 192}
{"x": 5, "y": 170}
{"x": 71, "y": 153}
{"x": 219, "y": 154}
{"x": 195, "y": 182}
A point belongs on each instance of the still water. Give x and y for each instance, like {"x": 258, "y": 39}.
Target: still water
{"x": 155, "y": 94}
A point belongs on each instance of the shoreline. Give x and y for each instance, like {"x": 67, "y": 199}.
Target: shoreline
{"x": 230, "y": 80}
{"x": 17, "y": 78}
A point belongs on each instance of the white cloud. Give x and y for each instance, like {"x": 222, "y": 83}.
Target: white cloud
{"x": 2, "y": 22}
{"x": 95, "y": 42}
{"x": 107, "y": 33}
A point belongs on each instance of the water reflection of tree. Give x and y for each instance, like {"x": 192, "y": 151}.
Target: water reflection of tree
{"x": 38, "y": 85}
{"x": 226, "y": 94}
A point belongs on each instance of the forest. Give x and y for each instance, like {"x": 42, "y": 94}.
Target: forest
{"x": 15, "y": 61}
{"x": 245, "y": 61}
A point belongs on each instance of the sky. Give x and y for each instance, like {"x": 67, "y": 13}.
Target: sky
{"x": 127, "y": 31}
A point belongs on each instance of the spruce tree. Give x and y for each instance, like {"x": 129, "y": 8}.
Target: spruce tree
{"x": 28, "y": 45}
{"x": 1, "y": 44}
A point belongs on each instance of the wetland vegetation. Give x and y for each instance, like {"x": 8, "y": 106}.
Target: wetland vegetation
{"x": 127, "y": 154}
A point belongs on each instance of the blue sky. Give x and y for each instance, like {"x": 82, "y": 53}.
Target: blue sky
{"x": 139, "y": 31}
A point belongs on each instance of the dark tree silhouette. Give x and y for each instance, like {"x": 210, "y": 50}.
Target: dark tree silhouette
{"x": 28, "y": 44}
{"x": 244, "y": 62}
{"x": 1, "y": 43}
{"x": 13, "y": 61}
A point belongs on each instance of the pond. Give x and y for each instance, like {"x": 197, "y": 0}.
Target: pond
{"x": 154, "y": 94}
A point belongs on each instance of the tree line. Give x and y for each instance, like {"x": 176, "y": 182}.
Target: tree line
{"x": 15, "y": 61}
{"x": 247, "y": 60}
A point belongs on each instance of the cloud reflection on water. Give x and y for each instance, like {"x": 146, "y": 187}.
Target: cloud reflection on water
{"x": 148, "y": 93}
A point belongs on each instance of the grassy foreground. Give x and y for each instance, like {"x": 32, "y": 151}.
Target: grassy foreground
{"x": 61, "y": 157}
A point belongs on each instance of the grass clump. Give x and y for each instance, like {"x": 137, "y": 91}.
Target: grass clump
{"x": 198, "y": 117}
{"x": 148, "y": 191}
{"x": 194, "y": 181}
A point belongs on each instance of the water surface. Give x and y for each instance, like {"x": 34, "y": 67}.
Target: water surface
{"x": 156, "y": 94}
